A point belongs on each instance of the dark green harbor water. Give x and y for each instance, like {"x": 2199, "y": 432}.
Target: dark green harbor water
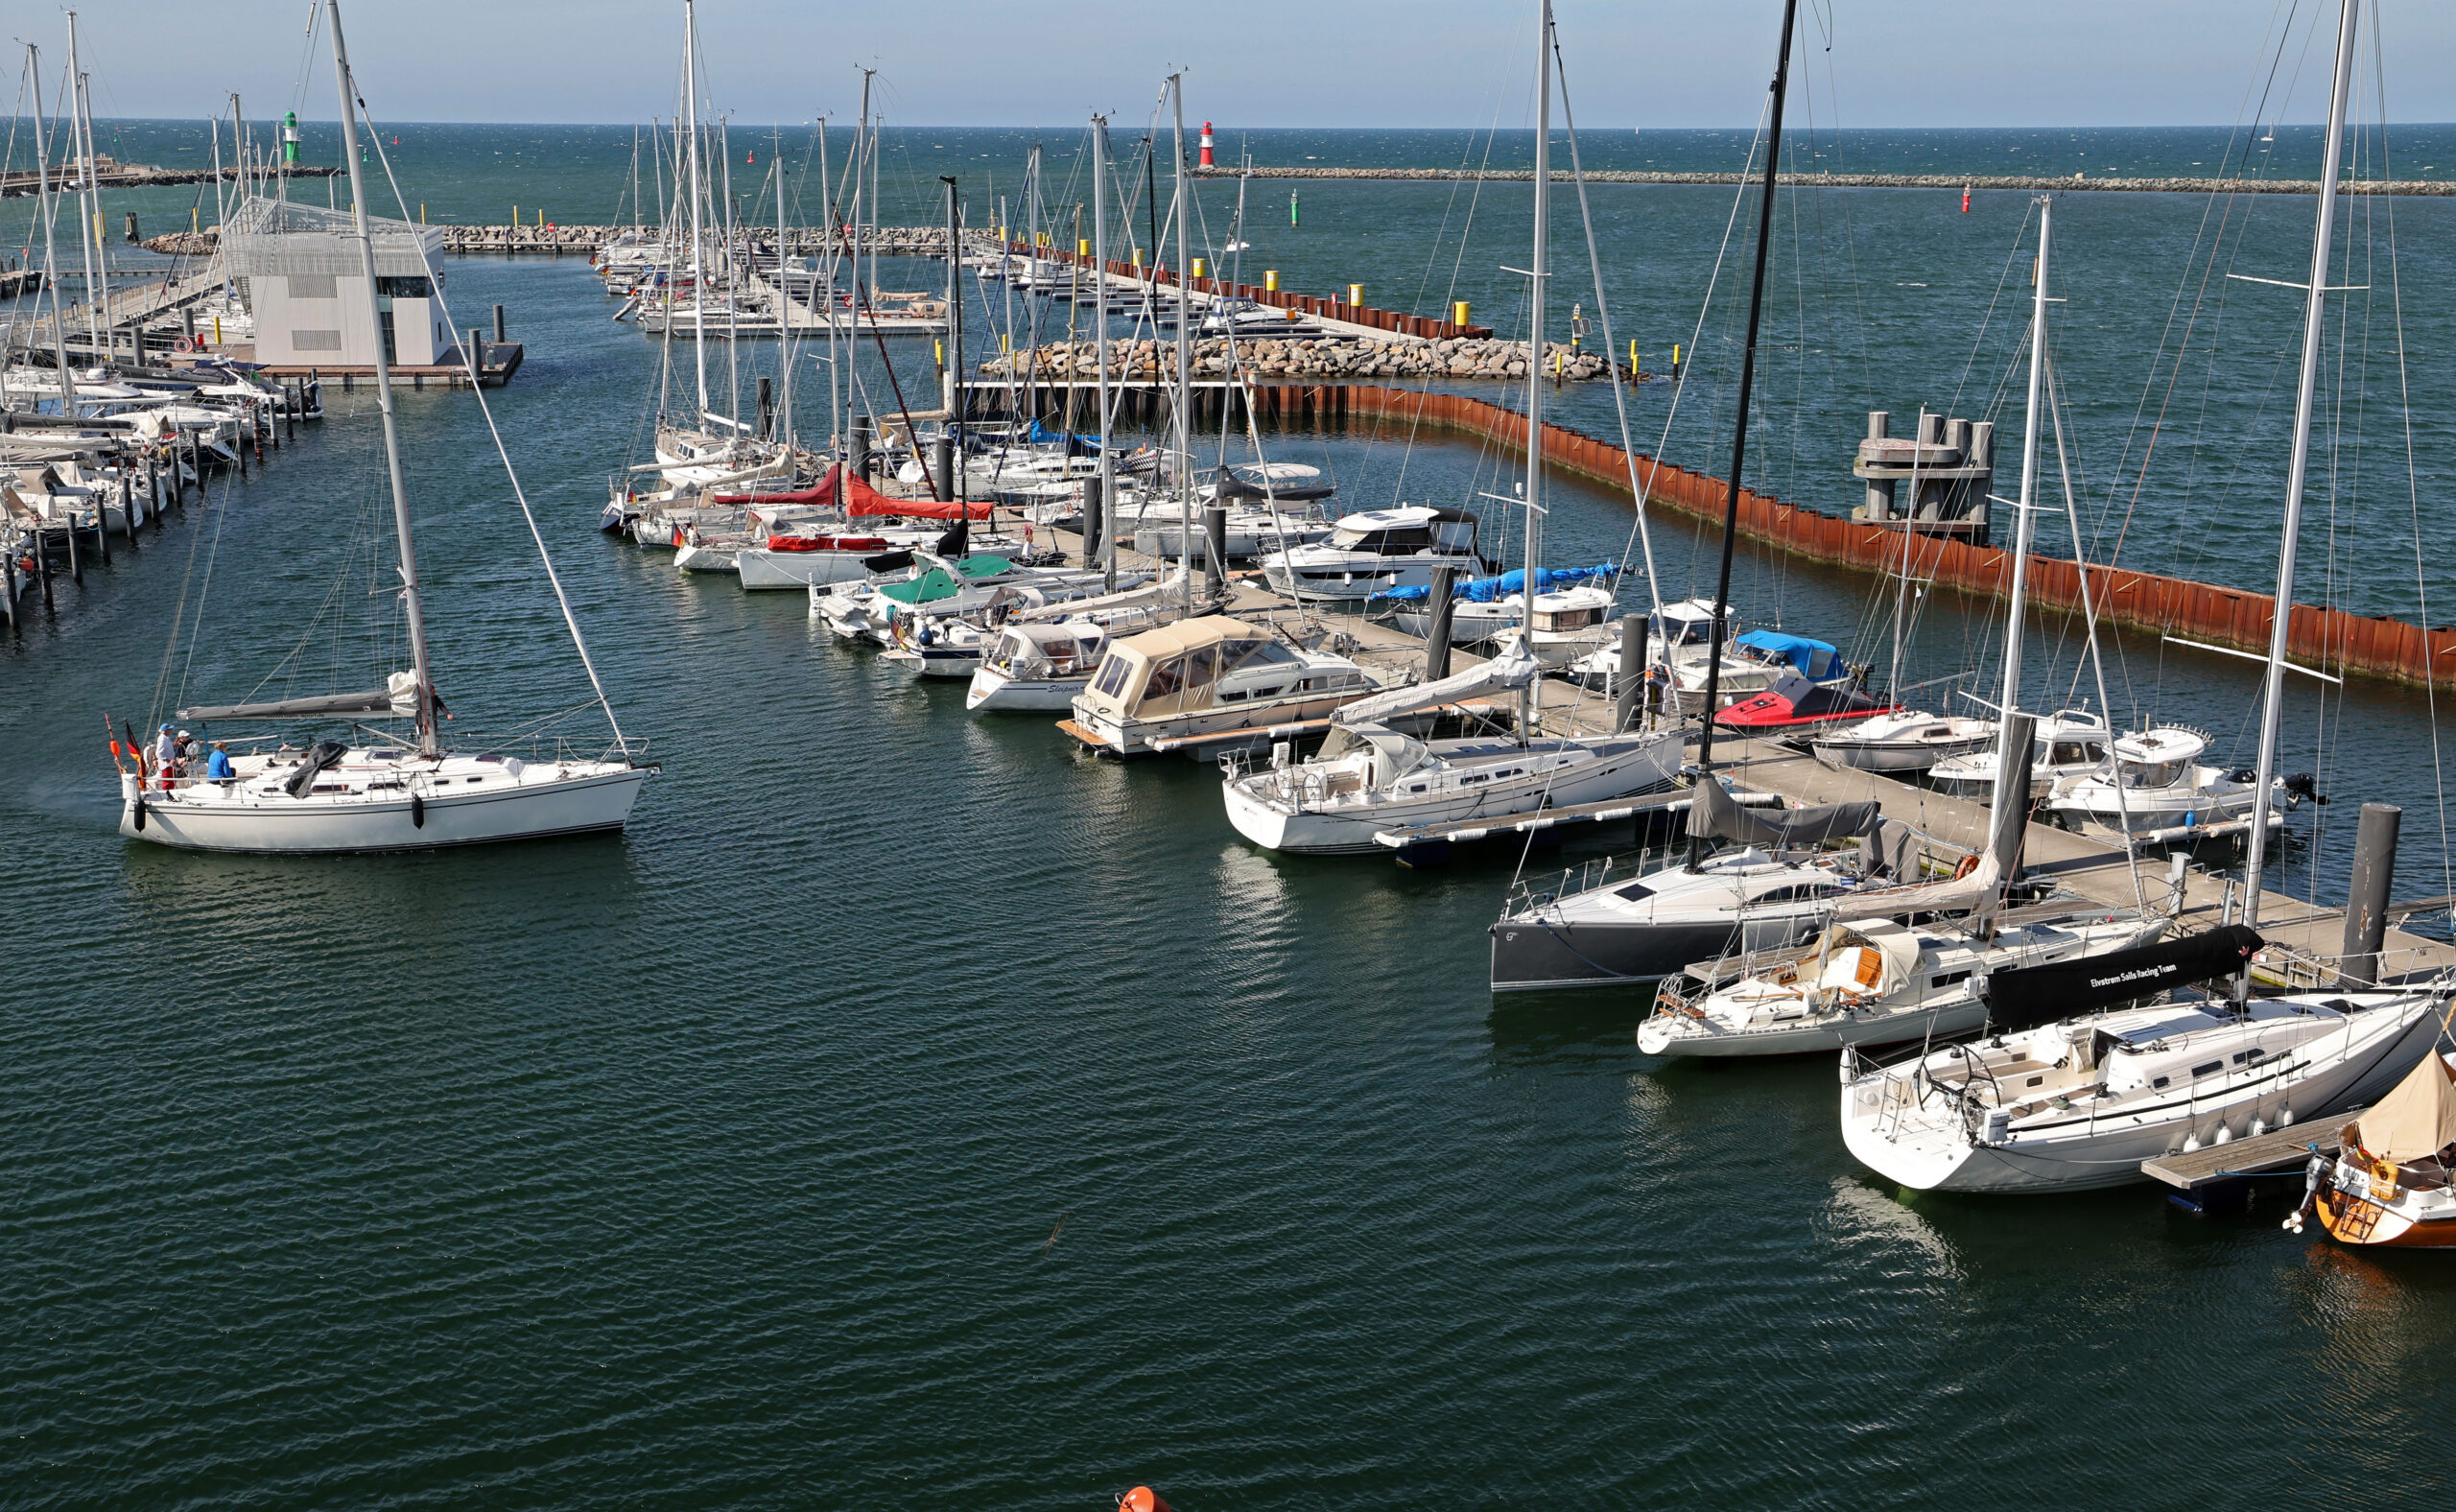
{"x": 906, "y": 1111}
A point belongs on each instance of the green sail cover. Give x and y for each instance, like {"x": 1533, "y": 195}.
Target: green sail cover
{"x": 930, "y": 586}
{"x": 983, "y": 566}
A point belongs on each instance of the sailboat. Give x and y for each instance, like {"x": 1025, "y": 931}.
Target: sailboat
{"x": 1368, "y": 777}
{"x": 2081, "y": 1081}
{"x": 381, "y": 795}
{"x": 2393, "y": 1180}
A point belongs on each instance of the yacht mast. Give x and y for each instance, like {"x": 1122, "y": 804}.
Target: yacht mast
{"x": 1185, "y": 441}
{"x": 1740, "y": 425}
{"x": 50, "y": 252}
{"x": 2026, "y": 526}
{"x": 95, "y": 290}
{"x": 414, "y": 610}
{"x": 783, "y": 429}
{"x": 1535, "y": 346}
{"x": 2314, "y": 309}
{"x": 699, "y": 260}
{"x": 1100, "y": 328}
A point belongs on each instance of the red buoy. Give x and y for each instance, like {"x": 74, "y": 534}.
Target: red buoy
{"x": 1142, "y": 1498}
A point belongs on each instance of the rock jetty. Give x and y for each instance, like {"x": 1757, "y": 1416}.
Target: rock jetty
{"x": 1330, "y": 359}
{"x": 2030, "y": 184}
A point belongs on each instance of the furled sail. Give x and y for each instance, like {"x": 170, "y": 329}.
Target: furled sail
{"x": 1513, "y": 669}
{"x": 2029, "y": 996}
{"x": 397, "y": 699}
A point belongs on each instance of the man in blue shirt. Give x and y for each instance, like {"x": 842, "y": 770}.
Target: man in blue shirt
{"x": 217, "y": 767}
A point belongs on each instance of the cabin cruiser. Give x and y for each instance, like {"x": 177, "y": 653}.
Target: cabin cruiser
{"x": 2052, "y": 1100}
{"x": 1571, "y": 615}
{"x": 1208, "y": 686}
{"x": 1904, "y": 741}
{"x": 1796, "y": 707}
{"x": 1369, "y": 778}
{"x": 2155, "y": 780}
{"x": 2068, "y": 742}
{"x": 1037, "y": 668}
{"x": 1875, "y": 981}
{"x": 1374, "y": 551}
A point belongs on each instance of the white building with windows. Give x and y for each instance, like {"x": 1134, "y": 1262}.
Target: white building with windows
{"x": 299, "y": 268}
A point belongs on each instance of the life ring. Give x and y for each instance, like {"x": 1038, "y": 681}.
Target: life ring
{"x": 1968, "y": 864}
{"x": 183, "y": 344}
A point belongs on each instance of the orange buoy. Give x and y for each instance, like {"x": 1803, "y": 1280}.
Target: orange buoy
{"x": 1142, "y": 1498}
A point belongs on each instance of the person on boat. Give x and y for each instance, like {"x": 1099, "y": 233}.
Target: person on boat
{"x": 187, "y": 749}
{"x": 217, "y": 767}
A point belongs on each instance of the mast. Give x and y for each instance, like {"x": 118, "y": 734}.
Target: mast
{"x": 50, "y": 252}
{"x": 1101, "y": 327}
{"x": 784, "y": 428}
{"x": 699, "y": 261}
{"x": 2314, "y": 309}
{"x": 861, "y": 147}
{"x": 1185, "y": 441}
{"x": 948, "y": 380}
{"x": 85, "y": 179}
{"x": 827, "y": 259}
{"x": 1032, "y": 305}
{"x": 1535, "y": 299}
{"x": 1740, "y": 425}
{"x": 2025, "y": 526}
{"x": 409, "y": 600}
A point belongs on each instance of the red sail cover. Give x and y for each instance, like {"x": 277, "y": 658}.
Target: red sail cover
{"x": 861, "y": 498}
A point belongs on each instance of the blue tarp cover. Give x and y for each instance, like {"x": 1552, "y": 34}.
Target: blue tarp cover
{"x": 1798, "y": 649}
{"x": 1488, "y": 590}
{"x": 1075, "y": 445}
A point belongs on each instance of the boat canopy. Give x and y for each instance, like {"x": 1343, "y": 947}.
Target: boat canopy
{"x": 2416, "y": 1120}
{"x": 1810, "y": 657}
{"x": 983, "y": 564}
{"x": 2029, "y": 996}
{"x": 1492, "y": 590}
{"x": 1512, "y": 669}
{"x": 1075, "y": 445}
{"x": 1174, "y": 661}
{"x": 1872, "y": 958}
{"x": 930, "y": 586}
{"x": 1394, "y": 755}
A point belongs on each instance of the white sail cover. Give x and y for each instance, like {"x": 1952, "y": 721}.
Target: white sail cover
{"x": 1511, "y": 670}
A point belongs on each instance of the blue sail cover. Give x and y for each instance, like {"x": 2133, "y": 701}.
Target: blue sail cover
{"x": 1075, "y": 445}
{"x": 1814, "y": 658}
{"x": 1489, "y": 590}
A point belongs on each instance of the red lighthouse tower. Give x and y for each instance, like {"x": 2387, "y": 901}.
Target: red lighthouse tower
{"x": 1206, "y": 146}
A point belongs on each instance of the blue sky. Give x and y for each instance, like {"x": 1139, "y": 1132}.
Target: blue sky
{"x": 1255, "y": 62}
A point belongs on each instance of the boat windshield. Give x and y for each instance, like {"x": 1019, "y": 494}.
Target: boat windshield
{"x": 2158, "y": 774}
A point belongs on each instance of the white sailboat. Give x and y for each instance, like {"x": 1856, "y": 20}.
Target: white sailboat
{"x": 2074, "y": 1089}
{"x": 378, "y": 795}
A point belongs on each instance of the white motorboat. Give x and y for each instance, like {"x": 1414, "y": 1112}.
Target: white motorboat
{"x": 381, "y": 796}
{"x": 1376, "y": 551}
{"x": 1369, "y": 778}
{"x": 1903, "y": 741}
{"x": 2080, "y": 1102}
{"x": 1209, "y": 686}
{"x": 1875, "y": 982}
{"x": 1036, "y": 667}
{"x": 2155, "y": 780}
{"x": 2070, "y": 743}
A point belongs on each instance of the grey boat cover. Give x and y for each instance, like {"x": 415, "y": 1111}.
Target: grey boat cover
{"x": 320, "y": 755}
{"x": 1714, "y": 816}
{"x": 377, "y": 701}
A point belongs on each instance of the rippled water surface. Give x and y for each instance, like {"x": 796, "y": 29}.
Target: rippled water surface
{"x": 906, "y": 1110}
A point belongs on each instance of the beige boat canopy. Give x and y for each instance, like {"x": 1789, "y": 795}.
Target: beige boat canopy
{"x": 2416, "y": 1120}
{"x": 1174, "y": 667}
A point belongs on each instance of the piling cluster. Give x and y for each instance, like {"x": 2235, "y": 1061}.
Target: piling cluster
{"x": 1328, "y": 358}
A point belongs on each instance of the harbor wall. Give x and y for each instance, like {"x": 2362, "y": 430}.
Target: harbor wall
{"x": 2329, "y": 640}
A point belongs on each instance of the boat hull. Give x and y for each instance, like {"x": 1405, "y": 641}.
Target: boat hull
{"x": 1351, "y": 831}
{"x": 592, "y": 802}
{"x": 1658, "y": 1037}
{"x": 765, "y": 571}
{"x": 995, "y": 693}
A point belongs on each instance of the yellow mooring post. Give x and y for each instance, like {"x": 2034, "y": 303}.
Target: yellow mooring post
{"x": 1458, "y": 314}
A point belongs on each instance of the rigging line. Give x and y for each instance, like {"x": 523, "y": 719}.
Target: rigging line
{"x": 2413, "y": 481}
{"x": 1639, "y": 535}
{"x": 570, "y": 621}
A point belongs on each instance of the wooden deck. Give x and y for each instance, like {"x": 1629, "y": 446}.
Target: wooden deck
{"x": 2258, "y": 1155}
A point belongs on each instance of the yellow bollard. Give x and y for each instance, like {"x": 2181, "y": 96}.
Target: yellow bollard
{"x": 515, "y": 217}
{"x": 192, "y": 225}
{"x": 1197, "y": 267}
{"x": 1083, "y": 246}
{"x": 1270, "y": 280}
{"x": 1356, "y": 294}
{"x": 1458, "y": 314}
{"x": 1633, "y": 357}
{"x": 1138, "y": 258}
{"x": 1675, "y": 359}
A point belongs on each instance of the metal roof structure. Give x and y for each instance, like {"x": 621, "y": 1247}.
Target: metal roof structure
{"x": 280, "y": 237}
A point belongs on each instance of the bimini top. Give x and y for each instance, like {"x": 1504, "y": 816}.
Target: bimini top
{"x": 1178, "y": 663}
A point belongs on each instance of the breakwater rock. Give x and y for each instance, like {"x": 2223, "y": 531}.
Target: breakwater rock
{"x": 1944, "y": 182}
{"x": 183, "y": 244}
{"x": 1331, "y": 359}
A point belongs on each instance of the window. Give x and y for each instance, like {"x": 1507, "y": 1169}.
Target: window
{"x": 1201, "y": 667}
{"x": 313, "y": 286}
{"x": 1636, "y": 892}
{"x": 1113, "y": 674}
{"x": 402, "y": 287}
{"x": 2206, "y": 1067}
{"x": 1166, "y": 678}
{"x": 314, "y": 341}
{"x": 2159, "y": 1082}
{"x": 1947, "y": 979}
